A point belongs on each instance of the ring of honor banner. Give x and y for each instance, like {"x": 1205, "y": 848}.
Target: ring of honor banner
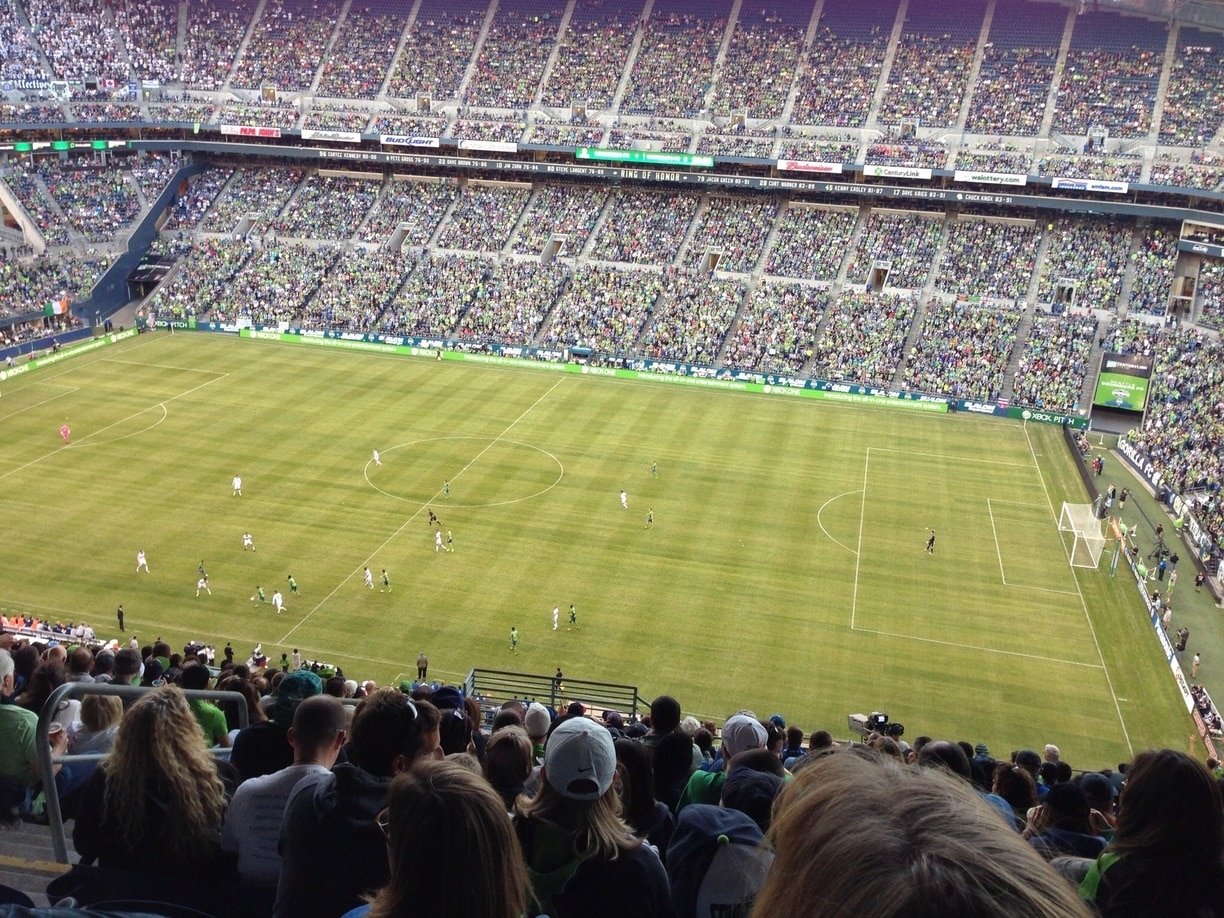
{"x": 1123, "y": 382}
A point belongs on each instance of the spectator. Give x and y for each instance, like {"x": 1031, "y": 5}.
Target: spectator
{"x": 875, "y": 836}
{"x": 156, "y": 803}
{"x": 1060, "y": 825}
{"x": 264, "y": 746}
{"x": 330, "y": 842}
{"x": 575, "y": 843}
{"x": 209, "y": 717}
{"x": 740, "y": 733}
{"x": 508, "y": 763}
{"x": 438, "y": 816}
{"x": 649, "y": 818}
{"x": 252, "y": 825}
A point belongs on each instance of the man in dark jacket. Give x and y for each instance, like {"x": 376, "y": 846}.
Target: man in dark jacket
{"x": 332, "y": 847}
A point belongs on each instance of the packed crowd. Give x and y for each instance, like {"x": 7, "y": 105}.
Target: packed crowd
{"x": 436, "y": 51}
{"x": 1152, "y": 265}
{"x": 78, "y": 38}
{"x": 923, "y": 154}
{"x": 512, "y": 305}
{"x": 362, "y": 54}
{"x": 906, "y": 242}
{"x": 1010, "y": 162}
{"x": 496, "y": 131}
{"x": 988, "y": 259}
{"x": 355, "y": 811}
{"x": 603, "y": 308}
{"x": 1109, "y": 168}
{"x": 94, "y": 112}
{"x": 644, "y": 227}
{"x": 413, "y": 127}
{"x": 19, "y": 55}
{"x": 570, "y": 210}
{"x": 152, "y": 173}
{"x": 1112, "y": 89}
{"x": 28, "y": 287}
{"x": 46, "y": 215}
{"x": 864, "y": 341}
{"x": 928, "y": 80}
{"x": 483, "y": 217}
{"x": 811, "y": 243}
{"x": 191, "y": 207}
{"x": 275, "y": 284}
{"x": 263, "y": 192}
{"x": 1010, "y": 93}
{"x": 962, "y": 350}
{"x": 181, "y": 112}
{"x": 732, "y": 145}
{"x": 262, "y": 115}
{"x": 565, "y": 134}
{"x": 214, "y": 32}
{"x": 736, "y": 227}
{"x": 776, "y": 330}
{"x": 838, "y": 83}
{"x": 1089, "y": 253}
{"x": 591, "y": 56}
{"x": 1054, "y": 362}
{"x": 797, "y": 145}
{"x": 285, "y": 49}
{"x": 1193, "y": 108}
{"x": 511, "y": 61}
{"x": 417, "y": 206}
{"x": 97, "y": 200}
{"x": 35, "y": 330}
{"x": 201, "y": 282}
{"x": 1202, "y": 171}
{"x": 1210, "y": 290}
{"x": 435, "y": 294}
{"x": 695, "y": 315}
{"x": 357, "y": 287}
{"x": 758, "y": 69}
{"x": 150, "y": 35}
{"x": 32, "y": 113}
{"x": 336, "y": 119}
{"x": 627, "y": 137}
{"x": 659, "y": 85}
{"x": 328, "y": 207}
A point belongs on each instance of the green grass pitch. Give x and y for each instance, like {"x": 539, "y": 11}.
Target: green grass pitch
{"x": 785, "y": 570}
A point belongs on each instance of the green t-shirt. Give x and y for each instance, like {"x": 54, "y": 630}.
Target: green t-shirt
{"x": 211, "y": 720}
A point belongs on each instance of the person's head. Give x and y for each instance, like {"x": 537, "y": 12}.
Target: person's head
{"x": 633, "y": 764}
{"x": 752, "y": 791}
{"x": 80, "y": 661}
{"x": 820, "y": 739}
{"x": 536, "y": 721}
{"x": 319, "y": 730}
{"x": 100, "y": 711}
{"x": 673, "y": 760}
{"x": 104, "y": 664}
{"x": 794, "y": 737}
{"x": 740, "y": 733}
{"x": 1051, "y": 753}
{"x": 159, "y": 744}
{"x": 1066, "y": 807}
{"x": 508, "y": 758}
{"x": 1171, "y": 810}
{"x": 291, "y": 691}
{"x": 578, "y": 789}
{"x": 945, "y": 754}
{"x": 7, "y": 668}
{"x": 127, "y": 666}
{"x": 756, "y": 760}
{"x": 857, "y": 834}
{"x": 1099, "y": 791}
{"x": 506, "y": 717}
{"x": 46, "y": 679}
{"x": 455, "y": 730}
{"x": 194, "y": 676}
{"x": 440, "y": 817}
{"x": 1015, "y": 785}
{"x": 664, "y": 714}
{"x": 391, "y": 732}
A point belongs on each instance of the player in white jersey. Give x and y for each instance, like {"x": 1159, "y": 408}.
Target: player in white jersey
{"x": 142, "y": 562}
{"x": 278, "y": 602}
{"x": 247, "y": 542}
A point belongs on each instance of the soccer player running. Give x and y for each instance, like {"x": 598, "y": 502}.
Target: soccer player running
{"x": 650, "y": 519}
{"x": 386, "y": 587}
{"x": 624, "y": 498}
{"x": 141, "y": 561}
{"x": 259, "y": 592}
{"x": 556, "y": 616}
{"x": 247, "y": 542}
{"x": 369, "y": 578}
{"x": 278, "y": 602}
{"x": 450, "y": 541}
{"x": 377, "y": 459}
{"x": 202, "y": 584}
{"x": 292, "y": 584}
{"x": 573, "y": 619}
{"x": 930, "y": 545}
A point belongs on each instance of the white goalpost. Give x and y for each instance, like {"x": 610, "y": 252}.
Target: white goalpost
{"x": 1081, "y": 520}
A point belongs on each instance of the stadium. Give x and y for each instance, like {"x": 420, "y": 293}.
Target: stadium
{"x": 855, "y": 362}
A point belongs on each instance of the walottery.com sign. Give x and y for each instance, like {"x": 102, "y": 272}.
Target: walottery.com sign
{"x": 68, "y": 353}
{"x": 1123, "y": 382}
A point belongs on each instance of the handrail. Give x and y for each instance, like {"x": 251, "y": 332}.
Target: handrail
{"x": 47, "y": 761}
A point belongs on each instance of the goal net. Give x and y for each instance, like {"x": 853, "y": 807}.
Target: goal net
{"x": 1081, "y": 520}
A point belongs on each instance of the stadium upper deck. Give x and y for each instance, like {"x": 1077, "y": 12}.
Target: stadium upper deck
{"x": 737, "y": 79}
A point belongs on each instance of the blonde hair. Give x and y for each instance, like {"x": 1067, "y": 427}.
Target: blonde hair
{"x": 100, "y": 711}
{"x": 595, "y": 827}
{"x": 857, "y": 835}
{"x": 159, "y": 745}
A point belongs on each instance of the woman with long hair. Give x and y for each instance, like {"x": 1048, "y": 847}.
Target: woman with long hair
{"x": 575, "y": 843}
{"x": 440, "y": 818}
{"x": 647, "y": 816}
{"x": 157, "y": 803}
{"x": 1167, "y": 853}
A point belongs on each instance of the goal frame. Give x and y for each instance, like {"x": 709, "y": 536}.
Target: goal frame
{"x": 1082, "y": 522}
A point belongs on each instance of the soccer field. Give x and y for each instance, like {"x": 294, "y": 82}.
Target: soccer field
{"x": 785, "y": 570}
